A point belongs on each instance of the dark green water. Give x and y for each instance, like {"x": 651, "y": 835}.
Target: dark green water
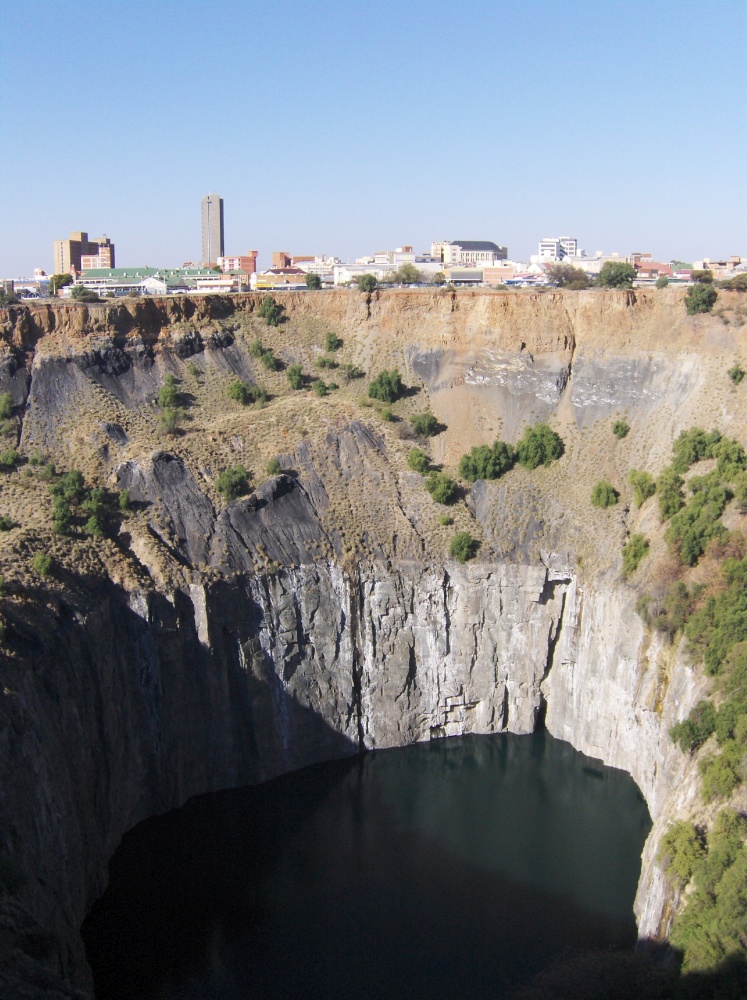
{"x": 452, "y": 869}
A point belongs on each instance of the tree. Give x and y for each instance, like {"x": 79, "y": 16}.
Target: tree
{"x": 6, "y": 405}
{"x": 424, "y": 424}
{"x": 387, "y": 386}
{"x": 58, "y": 281}
{"x": 540, "y": 445}
{"x": 313, "y": 282}
{"x": 704, "y": 277}
{"x": 700, "y": 299}
{"x": 644, "y": 486}
{"x": 487, "y": 461}
{"x": 407, "y": 274}
{"x": 463, "y": 547}
{"x": 568, "y": 276}
{"x": 271, "y": 311}
{"x": 8, "y": 298}
{"x": 418, "y": 461}
{"x": 168, "y": 394}
{"x": 620, "y": 429}
{"x": 617, "y": 274}
{"x": 82, "y": 294}
{"x": 273, "y": 467}
{"x": 332, "y": 342}
{"x": 246, "y": 394}
{"x": 295, "y": 376}
{"x": 604, "y": 494}
{"x": 367, "y": 283}
{"x": 441, "y": 487}
{"x": 232, "y": 482}
{"x": 439, "y": 278}
{"x": 633, "y": 552}
{"x": 735, "y": 374}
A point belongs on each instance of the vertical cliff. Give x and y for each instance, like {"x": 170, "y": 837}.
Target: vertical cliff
{"x": 208, "y": 644}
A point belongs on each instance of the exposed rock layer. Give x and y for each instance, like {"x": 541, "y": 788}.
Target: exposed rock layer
{"x": 124, "y": 701}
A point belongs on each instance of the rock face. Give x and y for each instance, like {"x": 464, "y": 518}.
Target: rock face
{"x": 270, "y": 644}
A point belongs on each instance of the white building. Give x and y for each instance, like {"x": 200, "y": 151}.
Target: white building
{"x": 554, "y": 248}
{"x": 468, "y": 253}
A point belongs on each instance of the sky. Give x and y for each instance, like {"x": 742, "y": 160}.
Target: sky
{"x": 350, "y": 127}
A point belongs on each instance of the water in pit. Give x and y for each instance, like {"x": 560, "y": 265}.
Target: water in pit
{"x": 455, "y": 868}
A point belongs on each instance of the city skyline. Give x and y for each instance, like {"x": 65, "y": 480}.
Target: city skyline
{"x": 616, "y": 123}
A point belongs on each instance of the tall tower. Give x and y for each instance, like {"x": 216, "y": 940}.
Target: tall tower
{"x": 212, "y": 228}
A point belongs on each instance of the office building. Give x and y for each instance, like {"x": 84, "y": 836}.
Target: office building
{"x": 80, "y": 252}
{"x": 212, "y": 228}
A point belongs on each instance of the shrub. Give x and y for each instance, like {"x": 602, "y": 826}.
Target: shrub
{"x": 49, "y": 471}
{"x": 367, "y": 283}
{"x": 693, "y": 526}
{"x": 644, "y": 486}
{"x": 713, "y": 924}
{"x": 616, "y": 274}
{"x": 669, "y": 490}
{"x": 604, "y": 494}
{"x": 6, "y": 524}
{"x": 418, "y": 461}
{"x": 123, "y": 500}
{"x": 693, "y": 731}
{"x": 256, "y": 349}
{"x": 194, "y": 371}
{"x": 441, "y": 487}
{"x": 731, "y": 458}
{"x": 633, "y": 553}
{"x": 424, "y": 424}
{"x": 692, "y": 446}
{"x": 325, "y": 362}
{"x": 702, "y": 277}
{"x": 232, "y": 482}
{"x": 680, "y": 850}
{"x": 620, "y": 429}
{"x": 387, "y": 386}
{"x": 353, "y": 371}
{"x": 9, "y": 459}
{"x": 82, "y": 294}
{"x": 171, "y": 419}
{"x": 41, "y": 564}
{"x": 487, "y": 461}
{"x": 270, "y": 361}
{"x": 387, "y": 415}
{"x": 735, "y": 374}
{"x": 313, "y": 282}
{"x": 463, "y": 547}
{"x": 319, "y": 387}
{"x": 445, "y": 520}
{"x": 700, "y": 299}
{"x": 271, "y": 311}
{"x": 540, "y": 445}
{"x": 662, "y": 281}
{"x": 295, "y": 376}
{"x": 6, "y": 405}
{"x": 246, "y": 394}
{"x": 168, "y": 394}
{"x": 332, "y": 342}
{"x": 719, "y": 776}
{"x": 273, "y": 467}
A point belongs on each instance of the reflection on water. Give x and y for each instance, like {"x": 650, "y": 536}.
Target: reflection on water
{"x": 456, "y": 868}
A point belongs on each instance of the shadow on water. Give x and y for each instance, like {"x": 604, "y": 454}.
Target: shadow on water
{"x": 455, "y": 868}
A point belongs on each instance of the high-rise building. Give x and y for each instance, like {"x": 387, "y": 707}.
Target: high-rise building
{"x": 81, "y": 253}
{"x": 212, "y": 228}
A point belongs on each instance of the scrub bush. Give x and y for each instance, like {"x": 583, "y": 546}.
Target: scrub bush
{"x": 387, "y": 386}
{"x": 418, "y": 461}
{"x": 463, "y": 547}
{"x": 540, "y": 445}
{"x": 604, "y": 494}
{"x": 487, "y": 461}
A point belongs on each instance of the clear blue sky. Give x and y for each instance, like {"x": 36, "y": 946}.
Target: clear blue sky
{"x": 348, "y": 127}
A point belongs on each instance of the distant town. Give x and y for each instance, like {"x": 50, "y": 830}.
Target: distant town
{"x": 83, "y": 263}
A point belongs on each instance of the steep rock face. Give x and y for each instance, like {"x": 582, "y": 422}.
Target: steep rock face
{"x": 271, "y": 642}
